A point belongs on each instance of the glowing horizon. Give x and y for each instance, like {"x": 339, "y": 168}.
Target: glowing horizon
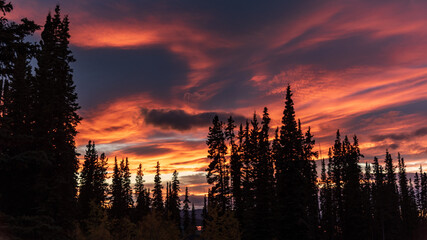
{"x": 361, "y": 69}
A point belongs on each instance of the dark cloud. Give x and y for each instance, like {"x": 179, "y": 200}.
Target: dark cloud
{"x": 106, "y": 73}
{"x": 193, "y": 179}
{"x": 401, "y": 136}
{"x": 150, "y": 150}
{"x": 180, "y": 120}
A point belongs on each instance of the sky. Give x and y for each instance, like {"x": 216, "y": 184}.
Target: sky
{"x": 150, "y": 75}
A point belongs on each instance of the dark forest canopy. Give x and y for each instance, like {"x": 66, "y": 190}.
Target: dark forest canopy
{"x": 262, "y": 186}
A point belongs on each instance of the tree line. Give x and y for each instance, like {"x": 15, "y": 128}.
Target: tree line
{"x": 123, "y": 211}
{"x": 272, "y": 189}
{"x": 261, "y": 188}
{"x": 42, "y": 193}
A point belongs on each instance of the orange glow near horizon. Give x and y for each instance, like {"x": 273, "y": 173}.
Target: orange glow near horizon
{"x": 361, "y": 70}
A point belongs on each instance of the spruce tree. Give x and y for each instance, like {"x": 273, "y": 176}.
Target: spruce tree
{"x": 55, "y": 103}
{"x": 378, "y": 197}
{"x": 367, "y": 204}
{"x": 327, "y": 220}
{"x": 264, "y": 182}
{"x": 186, "y": 213}
{"x": 392, "y": 221}
{"x": 117, "y": 198}
{"x": 407, "y": 202}
{"x": 218, "y": 169}
{"x": 353, "y": 222}
{"x": 142, "y": 202}
{"x": 127, "y": 189}
{"x": 293, "y": 182}
{"x": 157, "y": 203}
{"x": 235, "y": 165}
{"x": 87, "y": 180}
{"x": 174, "y": 202}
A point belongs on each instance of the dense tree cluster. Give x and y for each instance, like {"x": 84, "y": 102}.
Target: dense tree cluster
{"x": 272, "y": 189}
{"x": 264, "y": 183}
{"x": 42, "y": 193}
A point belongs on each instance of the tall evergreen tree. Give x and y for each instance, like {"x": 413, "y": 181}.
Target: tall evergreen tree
{"x": 378, "y": 200}
{"x": 408, "y": 206}
{"x": 186, "y": 211}
{"x": 157, "y": 202}
{"x": 127, "y": 189}
{"x": 92, "y": 180}
{"x": 142, "y": 195}
{"x": 293, "y": 192}
{"x": 121, "y": 191}
{"x": 264, "y": 182}
{"x": 392, "y": 221}
{"x": 56, "y": 106}
{"x": 353, "y": 222}
{"x": 235, "y": 165}
{"x": 367, "y": 204}
{"x": 174, "y": 202}
{"x": 327, "y": 220}
{"x": 218, "y": 170}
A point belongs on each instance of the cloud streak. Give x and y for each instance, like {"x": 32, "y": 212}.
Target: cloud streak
{"x": 180, "y": 120}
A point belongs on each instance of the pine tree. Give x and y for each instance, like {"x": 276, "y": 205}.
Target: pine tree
{"x": 327, "y": 220}
{"x": 407, "y": 202}
{"x": 142, "y": 202}
{"x": 186, "y": 211}
{"x": 174, "y": 202}
{"x": 117, "y": 199}
{"x": 56, "y": 106}
{"x": 218, "y": 171}
{"x": 337, "y": 166}
{"x": 99, "y": 180}
{"x": 247, "y": 181}
{"x": 311, "y": 184}
{"x": 353, "y": 222}
{"x": 378, "y": 200}
{"x": 157, "y": 203}
{"x": 264, "y": 183}
{"x": 391, "y": 212}
{"x": 293, "y": 183}
{"x": 235, "y": 165}
{"x": 87, "y": 180}
{"x": 367, "y": 204}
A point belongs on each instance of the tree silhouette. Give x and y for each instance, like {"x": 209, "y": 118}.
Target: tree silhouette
{"x": 218, "y": 173}
{"x": 92, "y": 180}
{"x": 142, "y": 195}
{"x": 157, "y": 202}
{"x": 186, "y": 213}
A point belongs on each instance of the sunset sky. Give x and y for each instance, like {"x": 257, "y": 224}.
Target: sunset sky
{"x": 150, "y": 75}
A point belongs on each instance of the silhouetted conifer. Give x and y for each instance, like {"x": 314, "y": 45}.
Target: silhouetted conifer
{"x": 392, "y": 221}
{"x": 174, "y": 201}
{"x": 264, "y": 182}
{"x": 157, "y": 201}
{"x": 408, "y": 208}
{"x": 235, "y": 165}
{"x": 218, "y": 169}
{"x": 56, "y": 106}
{"x": 293, "y": 183}
{"x": 142, "y": 195}
{"x": 93, "y": 186}
{"x": 186, "y": 213}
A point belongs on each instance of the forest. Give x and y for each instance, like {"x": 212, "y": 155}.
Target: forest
{"x": 264, "y": 182}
